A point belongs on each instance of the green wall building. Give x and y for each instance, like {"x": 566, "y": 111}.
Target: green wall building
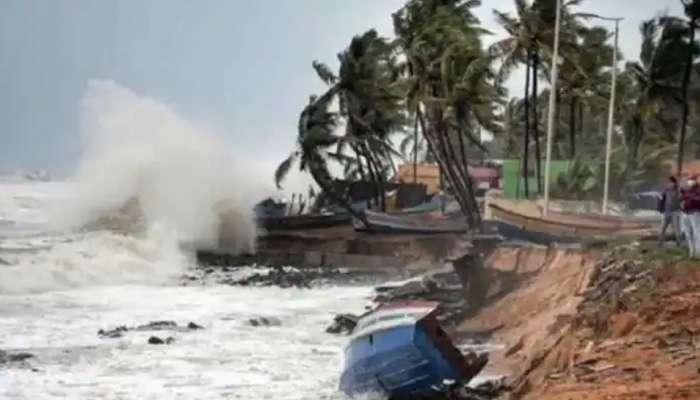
{"x": 513, "y": 183}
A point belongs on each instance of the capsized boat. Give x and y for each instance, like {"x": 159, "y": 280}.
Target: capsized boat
{"x": 401, "y": 351}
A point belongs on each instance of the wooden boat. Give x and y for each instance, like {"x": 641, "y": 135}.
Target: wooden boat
{"x": 572, "y": 227}
{"x": 300, "y": 222}
{"x": 423, "y": 223}
{"x": 401, "y": 351}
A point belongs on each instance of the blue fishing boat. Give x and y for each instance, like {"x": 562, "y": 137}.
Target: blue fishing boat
{"x": 401, "y": 351}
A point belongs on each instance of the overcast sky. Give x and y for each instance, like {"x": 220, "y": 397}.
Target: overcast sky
{"x": 243, "y": 67}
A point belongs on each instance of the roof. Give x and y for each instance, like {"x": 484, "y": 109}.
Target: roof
{"x": 483, "y": 173}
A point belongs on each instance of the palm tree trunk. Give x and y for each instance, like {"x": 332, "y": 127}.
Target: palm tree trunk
{"x": 358, "y": 157}
{"x": 374, "y": 172}
{"x": 580, "y": 118}
{"x": 535, "y": 109}
{"x": 415, "y": 148}
{"x": 572, "y": 127}
{"x": 326, "y": 184}
{"x": 461, "y": 180}
{"x": 526, "y": 139}
{"x": 686, "y": 84}
{"x": 379, "y": 175}
{"x": 463, "y": 151}
{"x": 440, "y": 154}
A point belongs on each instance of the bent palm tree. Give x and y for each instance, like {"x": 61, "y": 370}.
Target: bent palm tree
{"x": 314, "y": 139}
{"x": 367, "y": 90}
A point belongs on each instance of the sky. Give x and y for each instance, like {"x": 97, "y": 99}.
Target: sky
{"x": 242, "y": 68}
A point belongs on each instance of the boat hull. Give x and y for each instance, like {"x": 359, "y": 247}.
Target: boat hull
{"x": 572, "y": 227}
{"x": 424, "y": 223}
{"x": 304, "y": 222}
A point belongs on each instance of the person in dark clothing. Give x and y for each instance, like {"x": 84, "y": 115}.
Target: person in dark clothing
{"x": 670, "y": 207}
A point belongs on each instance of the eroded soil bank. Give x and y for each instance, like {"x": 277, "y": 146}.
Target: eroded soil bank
{"x": 592, "y": 324}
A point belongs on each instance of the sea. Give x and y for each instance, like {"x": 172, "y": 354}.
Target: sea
{"x": 59, "y": 288}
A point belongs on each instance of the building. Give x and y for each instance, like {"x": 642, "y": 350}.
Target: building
{"x": 513, "y": 183}
{"x": 484, "y": 177}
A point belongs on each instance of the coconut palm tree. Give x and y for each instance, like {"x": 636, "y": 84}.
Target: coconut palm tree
{"x": 368, "y": 92}
{"x": 451, "y": 86}
{"x": 586, "y": 81}
{"x": 529, "y": 41}
{"x": 692, "y": 12}
{"x": 650, "y": 88}
{"x": 315, "y": 139}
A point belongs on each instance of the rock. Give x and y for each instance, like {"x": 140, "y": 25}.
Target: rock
{"x": 287, "y": 277}
{"x": 343, "y": 323}
{"x": 151, "y": 326}
{"x": 264, "y": 321}
{"x": 157, "y": 341}
{"x": 19, "y": 357}
{"x": 6, "y": 358}
{"x": 194, "y": 327}
{"x": 113, "y": 333}
{"x": 157, "y": 326}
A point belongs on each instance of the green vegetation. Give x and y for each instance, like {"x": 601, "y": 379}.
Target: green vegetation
{"x": 430, "y": 92}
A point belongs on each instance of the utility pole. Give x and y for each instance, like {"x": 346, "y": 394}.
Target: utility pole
{"x": 552, "y": 106}
{"x": 611, "y": 114}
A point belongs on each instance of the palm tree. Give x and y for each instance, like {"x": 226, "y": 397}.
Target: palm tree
{"x": 650, "y": 86}
{"x": 514, "y": 50}
{"x": 315, "y": 137}
{"x": 451, "y": 86}
{"x": 512, "y": 126}
{"x": 368, "y": 93}
{"x": 530, "y": 37}
{"x": 586, "y": 81}
{"x": 692, "y": 12}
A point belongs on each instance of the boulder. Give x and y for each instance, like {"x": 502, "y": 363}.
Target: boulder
{"x": 155, "y": 340}
{"x": 264, "y": 321}
{"x": 343, "y": 323}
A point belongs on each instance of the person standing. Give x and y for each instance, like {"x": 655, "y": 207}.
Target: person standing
{"x": 670, "y": 207}
{"x": 690, "y": 203}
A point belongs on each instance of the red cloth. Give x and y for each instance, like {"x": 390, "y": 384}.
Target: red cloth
{"x": 690, "y": 199}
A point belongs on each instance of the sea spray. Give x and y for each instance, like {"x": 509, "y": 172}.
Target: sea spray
{"x": 169, "y": 182}
{"x": 182, "y": 176}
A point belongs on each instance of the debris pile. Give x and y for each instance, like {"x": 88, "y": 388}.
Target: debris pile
{"x": 444, "y": 287}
